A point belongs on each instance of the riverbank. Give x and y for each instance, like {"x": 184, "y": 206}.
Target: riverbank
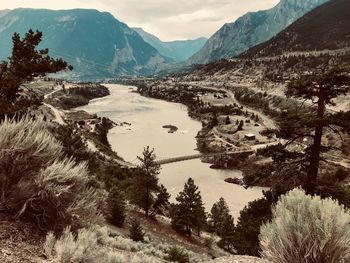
{"x": 227, "y": 125}
{"x": 146, "y": 117}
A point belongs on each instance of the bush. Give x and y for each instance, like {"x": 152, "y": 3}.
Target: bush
{"x": 306, "y": 229}
{"x": 117, "y": 204}
{"x": 341, "y": 174}
{"x": 176, "y": 254}
{"x": 38, "y": 184}
{"x": 68, "y": 248}
{"x": 136, "y": 231}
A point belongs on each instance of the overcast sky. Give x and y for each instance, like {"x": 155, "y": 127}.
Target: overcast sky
{"x": 167, "y": 19}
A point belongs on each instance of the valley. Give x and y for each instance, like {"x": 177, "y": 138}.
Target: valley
{"x": 118, "y": 145}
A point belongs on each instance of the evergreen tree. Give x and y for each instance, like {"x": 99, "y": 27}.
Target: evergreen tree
{"x": 26, "y": 63}
{"x": 240, "y": 126}
{"x": 189, "y": 213}
{"x": 102, "y": 131}
{"x": 219, "y": 213}
{"x": 322, "y": 89}
{"x": 136, "y": 231}
{"x": 227, "y": 234}
{"x": 214, "y": 121}
{"x": 117, "y": 204}
{"x": 247, "y": 230}
{"x": 162, "y": 201}
{"x": 145, "y": 184}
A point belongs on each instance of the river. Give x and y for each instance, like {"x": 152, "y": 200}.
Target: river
{"x": 147, "y": 117}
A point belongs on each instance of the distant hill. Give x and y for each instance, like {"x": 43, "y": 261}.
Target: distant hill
{"x": 179, "y": 50}
{"x": 252, "y": 29}
{"x": 4, "y": 12}
{"x": 324, "y": 28}
{"x": 95, "y": 43}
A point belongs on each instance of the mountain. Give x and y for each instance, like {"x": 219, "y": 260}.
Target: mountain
{"x": 179, "y": 50}
{"x": 95, "y": 43}
{"x": 252, "y": 29}
{"x": 4, "y": 12}
{"x": 324, "y": 28}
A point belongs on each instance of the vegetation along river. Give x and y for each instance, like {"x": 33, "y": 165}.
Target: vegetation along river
{"x": 147, "y": 117}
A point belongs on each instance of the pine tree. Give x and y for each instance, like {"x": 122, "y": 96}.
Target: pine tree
{"x": 214, "y": 121}
{"x": 240, "y": 126}
{"x": 145, "y": 183}
{"x": 117, "y": 204}
{"x": 189, "y": 213}
{"x": 219, "y": 212}
{"x": 26, "y": 63}
{"x": 162, "y": 201}
{"x": 136, "y": 231}
{"x": 321, "y": 89}
{"x": 227, "y": 234}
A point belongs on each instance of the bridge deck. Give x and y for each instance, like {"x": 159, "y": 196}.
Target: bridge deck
{"x": 198, "y": 156}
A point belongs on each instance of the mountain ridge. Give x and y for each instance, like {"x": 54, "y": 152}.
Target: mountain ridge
{"x": 178, "y": 50}
{"x": 96, "y": 43}
{"x": 251, "y": 29}
{"x": 330, "y": 24}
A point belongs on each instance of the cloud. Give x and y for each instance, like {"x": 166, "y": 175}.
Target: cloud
{"x": 168, "y": 19}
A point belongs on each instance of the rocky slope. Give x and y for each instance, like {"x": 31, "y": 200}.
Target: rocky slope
{"x": 179, "y": 50}
{"x": 324, "y": 28}
{"x": 95, "y": 43}
{"x": 252, "y": 29}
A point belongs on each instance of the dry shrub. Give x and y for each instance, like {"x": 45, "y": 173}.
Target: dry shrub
{"x": 306, "y": 229}
{"x": 89, "y": 246}
{"x": 38, "y": 184}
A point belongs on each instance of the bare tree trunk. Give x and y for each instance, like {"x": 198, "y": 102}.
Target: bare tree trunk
{"x": 312, "y": 172}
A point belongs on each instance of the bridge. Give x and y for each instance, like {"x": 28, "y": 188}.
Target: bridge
{"x": 199, "y": 156}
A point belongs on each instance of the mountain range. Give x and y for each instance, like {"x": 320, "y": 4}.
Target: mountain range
{"x": 324, "y": 28}
{"x": 252, "y": 29}
{"x": 179, "y": 50}
{"x": 99, "y": 46}
{"x": 95, "y": 43}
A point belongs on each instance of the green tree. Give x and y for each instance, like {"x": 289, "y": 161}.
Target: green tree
{"x": 102, "y": 130}
{"x": 162, "y": 201}
{"x": 117, "y": 204}
{"x": 218, "y": 214}
{"x": 227, "y": 234}
{"x": 189, "y": 213}
{"x": 214, "y": 121}
{"x": 247, "y": 230}
{"x": 136, "y": 231}
{"x": 240, "y": 126}
{"x": 145, "y": 184}
{"x": 321, "y": 89}
{"x": 26, "y": 63}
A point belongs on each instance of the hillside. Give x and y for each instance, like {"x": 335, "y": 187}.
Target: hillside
{"x": 179, "y": 50}
{"x": 252, "y": 29}
{"x": 324, "y": 28}
{"x": 95, "y": 43}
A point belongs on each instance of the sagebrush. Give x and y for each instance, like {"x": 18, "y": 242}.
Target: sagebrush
{"x": 306, "y": 229}
{"x": 38, "y": 183}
